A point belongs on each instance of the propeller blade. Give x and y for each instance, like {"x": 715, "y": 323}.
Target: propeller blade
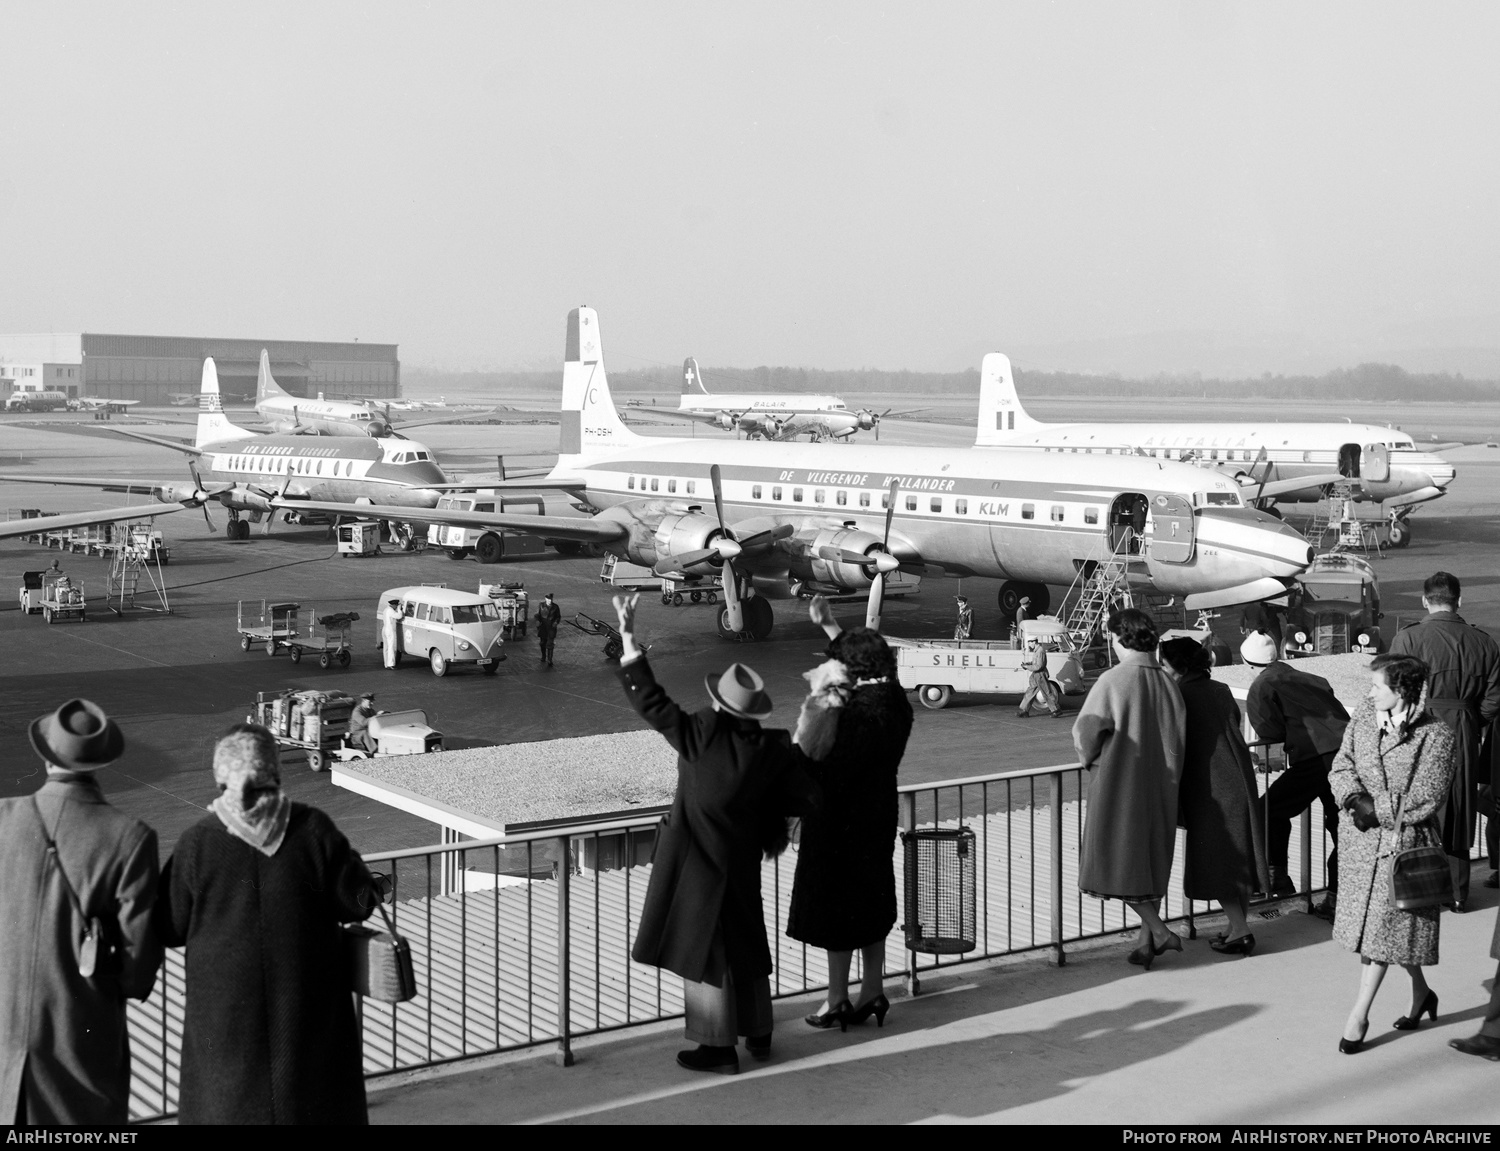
{"x": 766, "y": 538}
{"x": 733, "y": 610}
{"x": 880, "y": 561}
{"x": 723, "y": 549}
{"x": 1262, "y": 457}
{"x": 876, "y": 600}
{"x": 198, "y": 490}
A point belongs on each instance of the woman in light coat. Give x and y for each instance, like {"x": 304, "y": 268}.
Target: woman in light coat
{"x": 1129, "y": 737}
{"x": 1393, "y": 746}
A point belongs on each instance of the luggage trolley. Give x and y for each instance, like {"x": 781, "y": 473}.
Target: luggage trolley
{"x": 62, "y": 598}
{"x": 328, "y": 638}
{"x": 271, "y": 624}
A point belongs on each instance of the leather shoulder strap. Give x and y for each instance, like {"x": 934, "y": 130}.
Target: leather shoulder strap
{"x": 55, "y": 856}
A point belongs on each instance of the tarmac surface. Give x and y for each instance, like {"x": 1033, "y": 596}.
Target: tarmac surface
{"x": 175, "y": 682}
{"x": 1199, "y": 1039}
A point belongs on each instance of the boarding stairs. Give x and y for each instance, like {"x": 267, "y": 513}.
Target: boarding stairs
{"x": 1101, "y": 587}
{"x": 1336, "y": 513}
{"x": 129, "y": 567}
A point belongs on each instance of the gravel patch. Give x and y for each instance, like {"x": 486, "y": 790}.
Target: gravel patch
{"x": 532, "y": 782}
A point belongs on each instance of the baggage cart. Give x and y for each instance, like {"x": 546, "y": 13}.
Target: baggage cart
{"x": 675, "y": 588}
{"x": 513, "y": 604}
{"x": 614, "y": 643}
{"x": 62, "y": 598}
{"x": 628, "y": 576}
{"x": 268, "y": 624}
{"x": 327, "y": 638}
{"x": 314, "y": 722}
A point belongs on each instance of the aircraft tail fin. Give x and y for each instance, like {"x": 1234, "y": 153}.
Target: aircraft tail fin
{"x": 265, "y": 383}
{"x": 692, "y": 378}
{"x": 589, "y": 419}
{"x": 213, "y": 427}
{"x": 1000, "y": 410}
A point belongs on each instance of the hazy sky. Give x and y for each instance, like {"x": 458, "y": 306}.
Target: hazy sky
{"x": 830, "y": 185}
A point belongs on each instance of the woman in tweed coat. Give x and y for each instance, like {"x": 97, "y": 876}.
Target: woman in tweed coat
{"x": 1393, "y": 745}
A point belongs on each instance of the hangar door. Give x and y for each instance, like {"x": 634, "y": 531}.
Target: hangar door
{"x": 1172, "y": 534}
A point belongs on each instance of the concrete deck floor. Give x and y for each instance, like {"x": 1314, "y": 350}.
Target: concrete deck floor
{"x": 1200, "y": 1039}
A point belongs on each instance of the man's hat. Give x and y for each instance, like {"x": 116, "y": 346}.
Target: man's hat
{"x": 740, "y": 692}
{"x": 1259, "y": 649}
{"x": 962, "y": 598}
{"x": 78, "y": 736}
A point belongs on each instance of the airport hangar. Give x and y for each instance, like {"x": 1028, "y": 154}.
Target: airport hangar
{"x": 151, "y": 369}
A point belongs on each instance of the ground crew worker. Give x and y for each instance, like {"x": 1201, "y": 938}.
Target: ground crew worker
{"x": 390, "y": 633}
{"x": 548, "y": 616}
{"x": 965, "y": 625}
{"x": 359, "y": 723}
{"x": 1040, "y": 689}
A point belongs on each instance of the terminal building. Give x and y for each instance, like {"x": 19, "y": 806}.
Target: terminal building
{"x": 153, "y": 369}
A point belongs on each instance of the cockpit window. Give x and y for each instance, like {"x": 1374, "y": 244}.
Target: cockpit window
{"x": 1219, "y": 499}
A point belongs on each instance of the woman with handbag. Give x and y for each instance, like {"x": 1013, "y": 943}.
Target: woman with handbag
{"x": 1390, "y": 777}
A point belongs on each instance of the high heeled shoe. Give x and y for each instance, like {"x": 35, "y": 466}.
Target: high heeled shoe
{"x": 1142, "y": 956}
{"x": 1239, "y": 945}
{"x": 1413, "y": 1021}
{"x": 1354, "y": 1046}
{"x": 876, "y": 1007}
{"x": 1173, "y": 943}
{"x": 837, "y": 1014}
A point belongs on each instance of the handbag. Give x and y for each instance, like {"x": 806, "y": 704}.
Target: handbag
{"x": 1420, "y": 877}
{"x": 93, "y": 932}
{"x": 380, "y": 961}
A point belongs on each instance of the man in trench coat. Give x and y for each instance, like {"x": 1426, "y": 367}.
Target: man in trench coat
{"x": 703, "y": 917}
{"x": 77, "y": 885}
{"x": 548, "y": 616}
{"x": 1464, "y": 692}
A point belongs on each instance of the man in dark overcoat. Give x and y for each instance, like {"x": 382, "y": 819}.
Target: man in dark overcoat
{"x": 1300, "y": 711}
{"x": 77, "y": 884}
{"x": 548, "y": 616}
{"x": 703, "y": 918}
{"x": 1464, "y": 692}
{"x": 1487, "y": 1042}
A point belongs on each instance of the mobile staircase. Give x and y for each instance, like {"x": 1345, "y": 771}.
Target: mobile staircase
{"x": 1099, "y": 588}
{"x": 1336, "y": 513}
{"x": 133, "y": 563}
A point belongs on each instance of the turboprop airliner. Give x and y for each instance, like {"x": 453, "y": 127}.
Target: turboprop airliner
{"x": 293, "y": 415}
{"x": 246, "y": 473}
{"x": 846, "y": 517}
{"x": 1291, "y": 462}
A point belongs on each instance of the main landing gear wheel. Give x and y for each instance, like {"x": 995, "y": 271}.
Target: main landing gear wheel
{"x": 934, "y": 695}
{"x": 759, "y": 619}
{"x": 1013, "y": 591}
{"x": 438, "y": 663}
{"x": 1398, "y": 533}
{"x": 489, "y": 549}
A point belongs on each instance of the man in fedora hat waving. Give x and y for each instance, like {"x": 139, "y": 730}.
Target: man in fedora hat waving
{"x": 702, "y": 918}
{"x": 77, "y": 885}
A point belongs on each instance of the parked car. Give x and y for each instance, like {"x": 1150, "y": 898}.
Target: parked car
{"x": 1335, "y": 608}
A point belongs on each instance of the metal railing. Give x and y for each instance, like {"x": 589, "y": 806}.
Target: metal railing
{"x": 525, "y": 939}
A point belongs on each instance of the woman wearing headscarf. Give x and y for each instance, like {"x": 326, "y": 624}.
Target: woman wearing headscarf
{"x": 1218, "y": 801}
{"x": 1129, "y": 738}
{"x": 852, "y": 733}
{"x": 257, "y": 891}
{"x": 1394, "y": 749}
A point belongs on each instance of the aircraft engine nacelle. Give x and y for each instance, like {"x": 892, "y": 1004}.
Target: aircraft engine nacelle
{"x": 246, "y": 500}
{"x": 808, "y": 563}
{"x": 724, "y": 421}
{"x": 674, "y": 536}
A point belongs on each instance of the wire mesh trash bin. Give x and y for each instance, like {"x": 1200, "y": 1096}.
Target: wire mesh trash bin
{"x": 941, "y": 904}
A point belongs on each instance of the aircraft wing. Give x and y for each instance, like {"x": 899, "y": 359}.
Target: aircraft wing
{"x": 175, "y": 445}
{"x": 450, "y": 418}
{"x": 677, "y": 414}
{"x": 563, "y": 527}
{"x": 103, "y": 484}
{"x": 12, "y": 528}
{"x": 1275, "y": 488}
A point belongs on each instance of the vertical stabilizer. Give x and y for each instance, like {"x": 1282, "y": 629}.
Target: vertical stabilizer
{"x": 1001, "y": 415}
{"x": 589, "y": 420}
{"x": 266, "y": 386}
{"x": 213, "y": 428}
{"x": 692, "y": 378}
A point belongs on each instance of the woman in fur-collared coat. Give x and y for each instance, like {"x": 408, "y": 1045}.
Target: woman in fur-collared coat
{"x": 851, "y": 735}
{"x": 1392, "y": 747}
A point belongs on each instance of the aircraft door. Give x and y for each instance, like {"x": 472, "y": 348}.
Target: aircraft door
{"x": 1376, "y": 464}
{"x": 1349, "y": 461}
{"x": 1127, "y": 524}
{"x": 1172, "y": 535}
